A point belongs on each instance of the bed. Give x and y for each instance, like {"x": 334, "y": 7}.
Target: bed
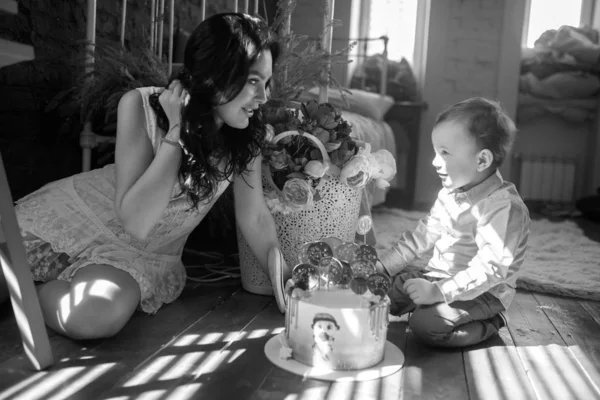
{"x": 366, "y": 112}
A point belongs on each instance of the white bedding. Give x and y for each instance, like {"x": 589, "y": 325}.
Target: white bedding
{"x": 380, "y": 135}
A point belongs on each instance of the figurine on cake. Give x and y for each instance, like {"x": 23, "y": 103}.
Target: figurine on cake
{"x": 338, "y": 307}
{"x": 324, "y": 328}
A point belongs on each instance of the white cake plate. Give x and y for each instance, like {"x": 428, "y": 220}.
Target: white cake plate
{"x": 393, "y": 360}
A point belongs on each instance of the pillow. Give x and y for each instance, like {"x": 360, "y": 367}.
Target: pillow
{"x": 368, "y": 104}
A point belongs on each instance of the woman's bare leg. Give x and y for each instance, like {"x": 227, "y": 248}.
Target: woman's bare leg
{"x": 97, "y": 303}
{"x": 3, "y": 288}
{"x": 279, "y": 273}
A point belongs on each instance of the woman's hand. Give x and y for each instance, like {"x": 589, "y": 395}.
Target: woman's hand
{"x": 171, "y": 100}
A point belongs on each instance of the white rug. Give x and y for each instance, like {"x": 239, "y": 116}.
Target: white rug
{"x": 560, "y": 259}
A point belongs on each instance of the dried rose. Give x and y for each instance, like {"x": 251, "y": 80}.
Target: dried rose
{"x": 326, "y": 116}
{"x": 315, "y": 169}
{"x": 269, "y": 132}
{"x": 321, "y": 134}
{"x": 356, "y": 173}
{"x": 309, "y": 109}
{"x": 331, "y": 146}
{"x": 298, "y": 192}
{"x": 279, "y": 159}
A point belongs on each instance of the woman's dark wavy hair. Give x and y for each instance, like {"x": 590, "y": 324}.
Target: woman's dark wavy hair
{"x": 217, "y": 61}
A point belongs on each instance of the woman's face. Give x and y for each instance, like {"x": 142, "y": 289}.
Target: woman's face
{"x": 238, "y": 111}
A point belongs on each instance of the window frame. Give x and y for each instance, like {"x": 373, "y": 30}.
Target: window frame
{"x": 588, "y": 8}
{"x": 420, "y": 46}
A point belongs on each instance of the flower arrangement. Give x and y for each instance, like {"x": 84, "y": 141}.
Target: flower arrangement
{"x": 305, "y": 145}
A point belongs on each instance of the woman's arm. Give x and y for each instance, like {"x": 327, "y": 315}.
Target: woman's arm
{"x": 252, "y": 215}
{"x": 258, "y": 227}
{"x": 144, "y": 182}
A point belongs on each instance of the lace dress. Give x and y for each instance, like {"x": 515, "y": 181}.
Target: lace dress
{"x": 71, "y": 223}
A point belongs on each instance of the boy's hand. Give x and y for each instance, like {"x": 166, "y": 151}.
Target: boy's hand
{"x": 421, "y": 291}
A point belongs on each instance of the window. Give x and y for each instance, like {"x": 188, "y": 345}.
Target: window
{"x": 396, "y": 19}
{"x": 542, "y": 15}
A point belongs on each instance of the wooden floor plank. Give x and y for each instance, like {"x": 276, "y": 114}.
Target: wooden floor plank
{"x": 592, "y": 308}
{"x": 187, "y": 367}
{"x": 432, "y": 373}
{"x": 580, "y": 331}
{"x": 494, "y": 370}
{"x": 279, "y": 383}
{"x": 10, "y": 337}
{"x": 88, "y": 366}
{"x": 551, "y": 337}
{"x": 551, "y": 368}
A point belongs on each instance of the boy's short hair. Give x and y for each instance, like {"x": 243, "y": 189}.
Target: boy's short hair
{"x": 487, "y": 122}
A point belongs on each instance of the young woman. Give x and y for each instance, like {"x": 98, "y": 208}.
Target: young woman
{"x": 110, "y": 240}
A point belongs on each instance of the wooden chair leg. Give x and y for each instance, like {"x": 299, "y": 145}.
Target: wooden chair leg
{"x": 21, "y": 288}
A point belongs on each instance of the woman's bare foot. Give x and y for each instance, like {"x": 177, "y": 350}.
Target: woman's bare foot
{"x": 278, "y": 273}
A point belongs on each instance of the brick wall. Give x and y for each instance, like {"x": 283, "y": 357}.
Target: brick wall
{"x": 472, "y": 52}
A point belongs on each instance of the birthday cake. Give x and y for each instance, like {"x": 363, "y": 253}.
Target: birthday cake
{"x": 337, "y": 314}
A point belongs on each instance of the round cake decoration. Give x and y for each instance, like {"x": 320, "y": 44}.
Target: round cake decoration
{"x": 362, "y": 268}
{"x": 346, "y": 273}
{"x": 347, "y": 251}
{"x": 364, "y": 225}
{"x": 331, "y": 270}
{"x": 334, "y": 243}
{"x": 303, "y": 253}
{"x": 366, "y": 252}
{"x": 306, "y": 276}
{"x": 379, "y": 283}
{"x": 318, "y": 251}
{"x": 359, "y": 285}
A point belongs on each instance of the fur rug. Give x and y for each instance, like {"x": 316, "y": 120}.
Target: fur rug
{"x": 560, "y": 259}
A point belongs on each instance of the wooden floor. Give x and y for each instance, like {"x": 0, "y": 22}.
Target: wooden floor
{"x": 209, "y": 345}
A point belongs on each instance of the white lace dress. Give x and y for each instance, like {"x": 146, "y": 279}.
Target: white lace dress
{"x": 71, "y": 223}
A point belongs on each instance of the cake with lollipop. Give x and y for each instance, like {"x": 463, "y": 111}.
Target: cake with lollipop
{"x": 337, "y": 314}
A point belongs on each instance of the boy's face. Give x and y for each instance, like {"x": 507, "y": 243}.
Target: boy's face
{"x": 456, "y": 156}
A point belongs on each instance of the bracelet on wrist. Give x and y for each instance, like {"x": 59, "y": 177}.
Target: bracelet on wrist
{"x": 173, "y": 127}
{"x": 171, "y": 142}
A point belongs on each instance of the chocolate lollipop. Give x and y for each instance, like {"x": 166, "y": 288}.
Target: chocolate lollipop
{"x": 318, "y": 251}
{"x": 331, "y": 271}
{"x": 363, "y": 226}
{"x": 379, "y": 284}
{"x": 306, "y": 276}
{"x": 333, "y": 242}
{"x": 359, "y": 285}
{"x": 346, "y": 273}
{"x": 366, "y": 252}
{"x": 362, "y": 268}
{"x": 347, "y": 251}
{"x": 303, "y": 253}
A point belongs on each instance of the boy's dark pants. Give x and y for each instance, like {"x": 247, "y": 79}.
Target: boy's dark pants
{"x": 458, "y": 324}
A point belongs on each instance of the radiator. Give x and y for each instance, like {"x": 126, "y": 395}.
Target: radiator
{"x": 548, "y": 179}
